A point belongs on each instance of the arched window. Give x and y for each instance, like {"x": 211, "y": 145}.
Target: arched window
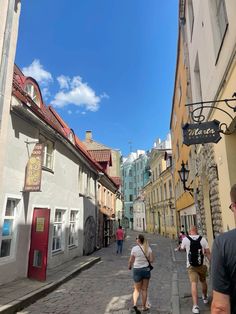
{"x": 33, "y": 93}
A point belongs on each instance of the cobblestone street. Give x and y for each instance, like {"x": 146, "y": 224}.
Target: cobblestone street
{"x": 107, "y": 286}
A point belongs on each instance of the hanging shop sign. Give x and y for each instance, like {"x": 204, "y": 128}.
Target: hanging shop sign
{"x": 34, "y": 169}
{"x": 201, "y": 133}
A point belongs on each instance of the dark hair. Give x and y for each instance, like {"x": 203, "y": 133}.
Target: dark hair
{"x": 233, "y": 193}
{"x": 120, "y": 227}
{"x": 141, "y": 238}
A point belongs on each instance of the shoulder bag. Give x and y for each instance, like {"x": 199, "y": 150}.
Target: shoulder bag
{"x": 149, "y": 264}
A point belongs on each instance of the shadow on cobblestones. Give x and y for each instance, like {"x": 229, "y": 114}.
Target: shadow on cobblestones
{"x": 107, "y": 287}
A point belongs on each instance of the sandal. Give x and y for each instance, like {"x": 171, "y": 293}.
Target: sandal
{"x": 137, "y": 311}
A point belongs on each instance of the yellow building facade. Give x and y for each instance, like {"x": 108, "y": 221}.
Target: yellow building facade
{"x": 184, "y": 201}
{"x": 160, "y": 201}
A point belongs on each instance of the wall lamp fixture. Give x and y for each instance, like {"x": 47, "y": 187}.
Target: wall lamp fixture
{"x": 184, "y": 174}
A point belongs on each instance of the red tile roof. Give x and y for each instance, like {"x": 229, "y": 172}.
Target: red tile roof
{"x": 103, "y": 155}
{"x": 52, "y": 118}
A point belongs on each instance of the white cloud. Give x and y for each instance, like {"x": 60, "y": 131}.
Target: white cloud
{"x": 104, "y": 95}
{"x": 45, "y": 92}
{"x": 36, "y": 70}
{"x": 69, "y": 111}
{"x": 63, "y": 81}
{"x": 78, "y": 93}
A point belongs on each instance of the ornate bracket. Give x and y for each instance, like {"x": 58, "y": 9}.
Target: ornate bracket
{"x": 198, "y": 116}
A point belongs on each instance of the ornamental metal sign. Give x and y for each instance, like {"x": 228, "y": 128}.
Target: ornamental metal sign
{"x": 34, "y": 170}
{"x": 201, "y": 133}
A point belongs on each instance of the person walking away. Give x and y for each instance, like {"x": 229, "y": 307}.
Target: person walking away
{"x": 119, "y": 239}
{"x": 196, "y": 247}
{"x": 223, "y": 268}
{"x": 140, "y": 255}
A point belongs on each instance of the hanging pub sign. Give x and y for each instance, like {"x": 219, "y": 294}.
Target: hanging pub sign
{"x": 201, "y": 133}
{"x": 34, "y": 169}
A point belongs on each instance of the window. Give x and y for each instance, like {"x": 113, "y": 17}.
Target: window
{"x": 58, "y": 231}
{"x": 191, "y": 17}
{"x": 8, "y": 228}
{"x": 170, "y": 189}
{"x": 72, "y": 240}
{"x": 131, "y": 198}
{"x": 179, "y": 93}
{"x": 130, "y": 185}
{"x": 47, "y": 152}
{"x": 165, "y": 192}
{"x": 130, "y": 173}
{"x": 197, "y": 78}
{"x": 80, "y": 178}
{"x": 177, "y": 150}
{"x": 33, "y": 93}
{"x": 219, "y": 24}
{"x": 131, "y": 210}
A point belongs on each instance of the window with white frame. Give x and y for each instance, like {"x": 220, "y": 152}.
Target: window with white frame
{"x": 73, "y": 239}
{"x": 47, "y": 152}
{"x": 7, "y": 240}
{"x": 219, "y": 24}
{"x": 58, "y": 230}
{"x": 191, "y": 17}
{"x": 81, "y": 179}
{"x": 33, "y": 93}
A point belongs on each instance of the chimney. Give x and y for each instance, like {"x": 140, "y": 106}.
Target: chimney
{"x": 88, "y": 136}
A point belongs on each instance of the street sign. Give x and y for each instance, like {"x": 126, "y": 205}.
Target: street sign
{"x": 201, "y": 133}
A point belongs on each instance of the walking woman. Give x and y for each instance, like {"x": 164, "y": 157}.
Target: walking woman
{"x": 140, "y": 255}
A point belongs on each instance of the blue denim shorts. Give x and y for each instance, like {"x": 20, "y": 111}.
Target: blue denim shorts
{"x": 141, "y": 273}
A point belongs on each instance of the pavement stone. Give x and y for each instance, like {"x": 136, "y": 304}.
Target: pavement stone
{"x": 185, "y": 298}
{"x": 107, "y": 287}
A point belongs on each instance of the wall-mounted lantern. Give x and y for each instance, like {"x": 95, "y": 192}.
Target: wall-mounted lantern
{"x": 184, "y": 174}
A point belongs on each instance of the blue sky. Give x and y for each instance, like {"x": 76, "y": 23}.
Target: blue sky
{"x": 105, "y": 65}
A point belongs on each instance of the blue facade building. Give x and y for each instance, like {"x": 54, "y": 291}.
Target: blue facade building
{"x": 134, "y": 176}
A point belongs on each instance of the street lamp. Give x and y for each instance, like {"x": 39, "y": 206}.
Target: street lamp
{"x": 184, "y": 174}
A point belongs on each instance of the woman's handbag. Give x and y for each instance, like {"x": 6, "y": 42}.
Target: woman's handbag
{"x": 149, "y": 264}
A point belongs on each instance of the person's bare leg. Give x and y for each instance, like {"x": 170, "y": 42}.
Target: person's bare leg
{"x": 204, "y": 289}
{"x": 137, "y": 288}
{"x": 144, "y": 292}
{"x": 194, "y": 292}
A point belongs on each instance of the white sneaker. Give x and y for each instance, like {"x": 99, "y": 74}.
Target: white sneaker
{"x": 195, "y": 309}
{"x": 205, "y": 299}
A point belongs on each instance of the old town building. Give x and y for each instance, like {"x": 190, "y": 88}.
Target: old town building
{"x": 160, "y": 202}
{"x": 210, "y": 74}
{"x": 49, "y": 209}
{"x": 109, "y": 183}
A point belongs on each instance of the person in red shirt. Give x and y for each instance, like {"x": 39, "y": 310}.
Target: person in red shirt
{"x": 119, "y": 239}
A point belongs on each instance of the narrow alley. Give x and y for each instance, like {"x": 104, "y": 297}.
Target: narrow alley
{"x": 107, "y": 286}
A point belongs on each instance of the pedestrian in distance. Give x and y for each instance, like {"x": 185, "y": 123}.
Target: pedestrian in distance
{"x": 181, "y": 237}
{"x": 223, "y": 268}
{"x": 119, "y": 240}
{"x": 140, "y": 258}
{"x": 196, "y": 248}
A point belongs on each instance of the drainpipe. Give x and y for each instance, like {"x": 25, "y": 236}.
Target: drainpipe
{"x": 5, "y": 53}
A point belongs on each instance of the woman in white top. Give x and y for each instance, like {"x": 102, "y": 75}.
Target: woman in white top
{"x": 141, "y": 271}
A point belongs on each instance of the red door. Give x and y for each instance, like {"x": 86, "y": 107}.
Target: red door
{"x": 39, "y": 244}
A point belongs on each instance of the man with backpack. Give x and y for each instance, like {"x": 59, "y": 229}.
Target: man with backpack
{"x": 196, "y": 248}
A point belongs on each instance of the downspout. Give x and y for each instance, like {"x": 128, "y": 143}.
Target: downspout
{"x": 5, "y": 53}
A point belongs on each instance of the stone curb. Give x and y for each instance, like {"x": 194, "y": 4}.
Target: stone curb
{"x": 175, "y": 304}
{"x": 30, "y": 298}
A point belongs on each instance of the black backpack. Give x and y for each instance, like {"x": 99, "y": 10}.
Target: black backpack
{"x": 195, "y": 255}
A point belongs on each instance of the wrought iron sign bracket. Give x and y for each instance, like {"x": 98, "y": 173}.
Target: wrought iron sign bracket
{"x": 198, "y": 116}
